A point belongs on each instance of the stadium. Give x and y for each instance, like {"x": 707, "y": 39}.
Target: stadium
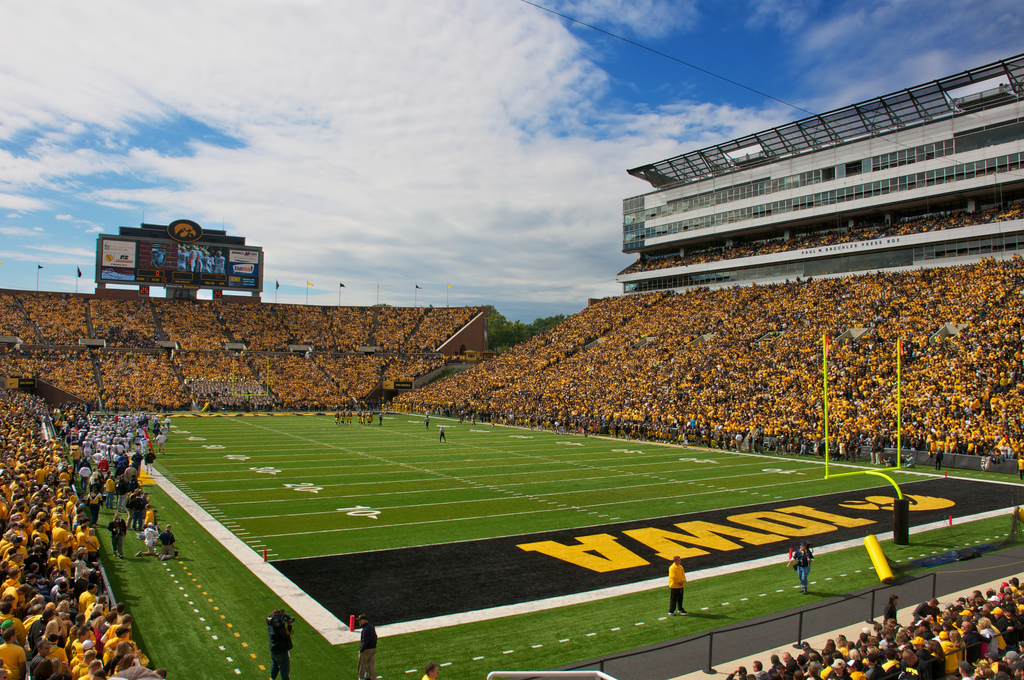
{"x": 841, "y": 293}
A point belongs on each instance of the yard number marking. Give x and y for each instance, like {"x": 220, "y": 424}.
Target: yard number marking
{"x": 360, "y": 511}
{"x": 305, "y": 486}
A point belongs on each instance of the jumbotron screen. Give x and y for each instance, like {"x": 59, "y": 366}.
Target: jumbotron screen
{"x": 212, "y": 262}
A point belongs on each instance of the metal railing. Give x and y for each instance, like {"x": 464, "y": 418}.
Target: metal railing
{"x": 525, "y": 675}
{"x": 698, "y": 652}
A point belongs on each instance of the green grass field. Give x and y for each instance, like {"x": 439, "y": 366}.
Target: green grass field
{"x": 289, "y": 484}
{"x": 300, "y": 473}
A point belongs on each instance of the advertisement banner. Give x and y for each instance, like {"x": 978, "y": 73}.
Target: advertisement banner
{"x": 119, "y": 254}
{"x": 244, "y": 256}
{"x": 243, "y": 269}
{"x": 115, "y": 274}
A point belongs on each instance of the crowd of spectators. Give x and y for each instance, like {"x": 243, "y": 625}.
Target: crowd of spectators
{"x": 139, "y": 380}
{"x": 123, "y": 323}
{"x": 224, "y": 380}
{"x": 438, "y": 325}
{"x": 708, "y": 366}
{"x": 70, "y": 369}
{"x": 975, "y": 637}
{"x": 393, "y": 326}
{"x": 328, "y": 328}
{"x": 827, "y": 237}
{"x": 60, "y": 318}
{"x": 193, "y": 325}
{"x": 59, "y": 622}
{"x": 13, "y": 321}
{"x": 146, "y": 378}
{"x": 353, "y": 375}
{"x": 254, "y": 324}
{"x": 412, "y": 366}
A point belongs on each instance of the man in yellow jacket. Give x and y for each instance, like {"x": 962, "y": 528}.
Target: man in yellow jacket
{"x": 676, "y": 585}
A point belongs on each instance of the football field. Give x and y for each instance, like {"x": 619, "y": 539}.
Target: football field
{"x": 521, "y": 519}
{"x": 445, "y": 544}
{"x": 305, "y": 487}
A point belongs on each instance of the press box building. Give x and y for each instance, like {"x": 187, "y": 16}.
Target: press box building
{"x": 827, "y": 195}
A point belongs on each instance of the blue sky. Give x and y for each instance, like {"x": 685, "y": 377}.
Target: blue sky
{"x": 477, "y": 143}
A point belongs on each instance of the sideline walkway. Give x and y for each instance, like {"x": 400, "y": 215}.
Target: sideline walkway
{"x": 847, "y": 615}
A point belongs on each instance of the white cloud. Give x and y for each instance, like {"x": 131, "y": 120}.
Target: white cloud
{"x": 19, "y": 202}
{"x": 452, "y": 140}
{"x": 643, "y": 18}
{"x": 16, "y": 231}
{"x": 910, "y": 43}
{"x": 50, "y": 255}
{"x": 364, "y": 155}
{"x": 788, "y": 15}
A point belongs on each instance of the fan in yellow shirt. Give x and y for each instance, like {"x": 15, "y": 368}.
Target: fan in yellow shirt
{"x": 13, "y": 654}
{"x": 87, "y": 598}
{"x": 676, "y": 585}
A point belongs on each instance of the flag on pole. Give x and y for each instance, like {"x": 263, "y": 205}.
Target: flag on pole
{"x": 449, "y": 285}
{"x": 38, "y": 266}
{"x": 378, "y": 287}
{"x": 341, "y": 285}
{"x": 79, "y": 272}
{"x": 418, "y": 287}
{"x": 310, "y": 284}
{"x": 277, "y": 284}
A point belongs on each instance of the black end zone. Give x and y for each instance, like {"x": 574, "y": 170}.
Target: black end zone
{"x": 409, "y": 584}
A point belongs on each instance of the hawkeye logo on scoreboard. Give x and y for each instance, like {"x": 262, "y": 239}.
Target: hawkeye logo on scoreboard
{"x": 184, "y": 231}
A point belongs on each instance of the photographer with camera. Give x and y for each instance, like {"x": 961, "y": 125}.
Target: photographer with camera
{"x": 279, "y": 628}
{"x": 801, "y": 561}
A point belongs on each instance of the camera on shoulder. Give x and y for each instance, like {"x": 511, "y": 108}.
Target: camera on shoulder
{"x": 279, "y": 618}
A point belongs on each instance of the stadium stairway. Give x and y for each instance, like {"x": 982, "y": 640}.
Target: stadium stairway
{"x": 28, "y": 319}
{"x": 88, "y": 321}
{"x": 97, "y": 376}
{"x": 412, "y": 334}
{"x": 661, "y": 662}
{"x": 161, "y": 334}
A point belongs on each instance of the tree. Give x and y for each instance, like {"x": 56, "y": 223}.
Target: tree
{"x": 502, "y": 333}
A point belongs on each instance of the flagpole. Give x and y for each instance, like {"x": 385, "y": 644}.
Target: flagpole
{"x": 899, "y": 402}
{"x": 447, "y": 292}
{"x": 76, "y": 284}
{"x": 378, "y": 292}
{"x": 37, "y": 276}
{"x": 339, "y": 294}
{"x": 415, "y": 292}
{"x": 824, "y": 391}
{"x": 307, "y": 292}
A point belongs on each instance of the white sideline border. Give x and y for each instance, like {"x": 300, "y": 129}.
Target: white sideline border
{"x": 311, "y": 611}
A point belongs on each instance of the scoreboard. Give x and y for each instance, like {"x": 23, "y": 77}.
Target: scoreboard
{"x": 179, "y": 255}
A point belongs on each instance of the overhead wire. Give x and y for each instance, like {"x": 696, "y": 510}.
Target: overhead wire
{"x": 667, "y": 56}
